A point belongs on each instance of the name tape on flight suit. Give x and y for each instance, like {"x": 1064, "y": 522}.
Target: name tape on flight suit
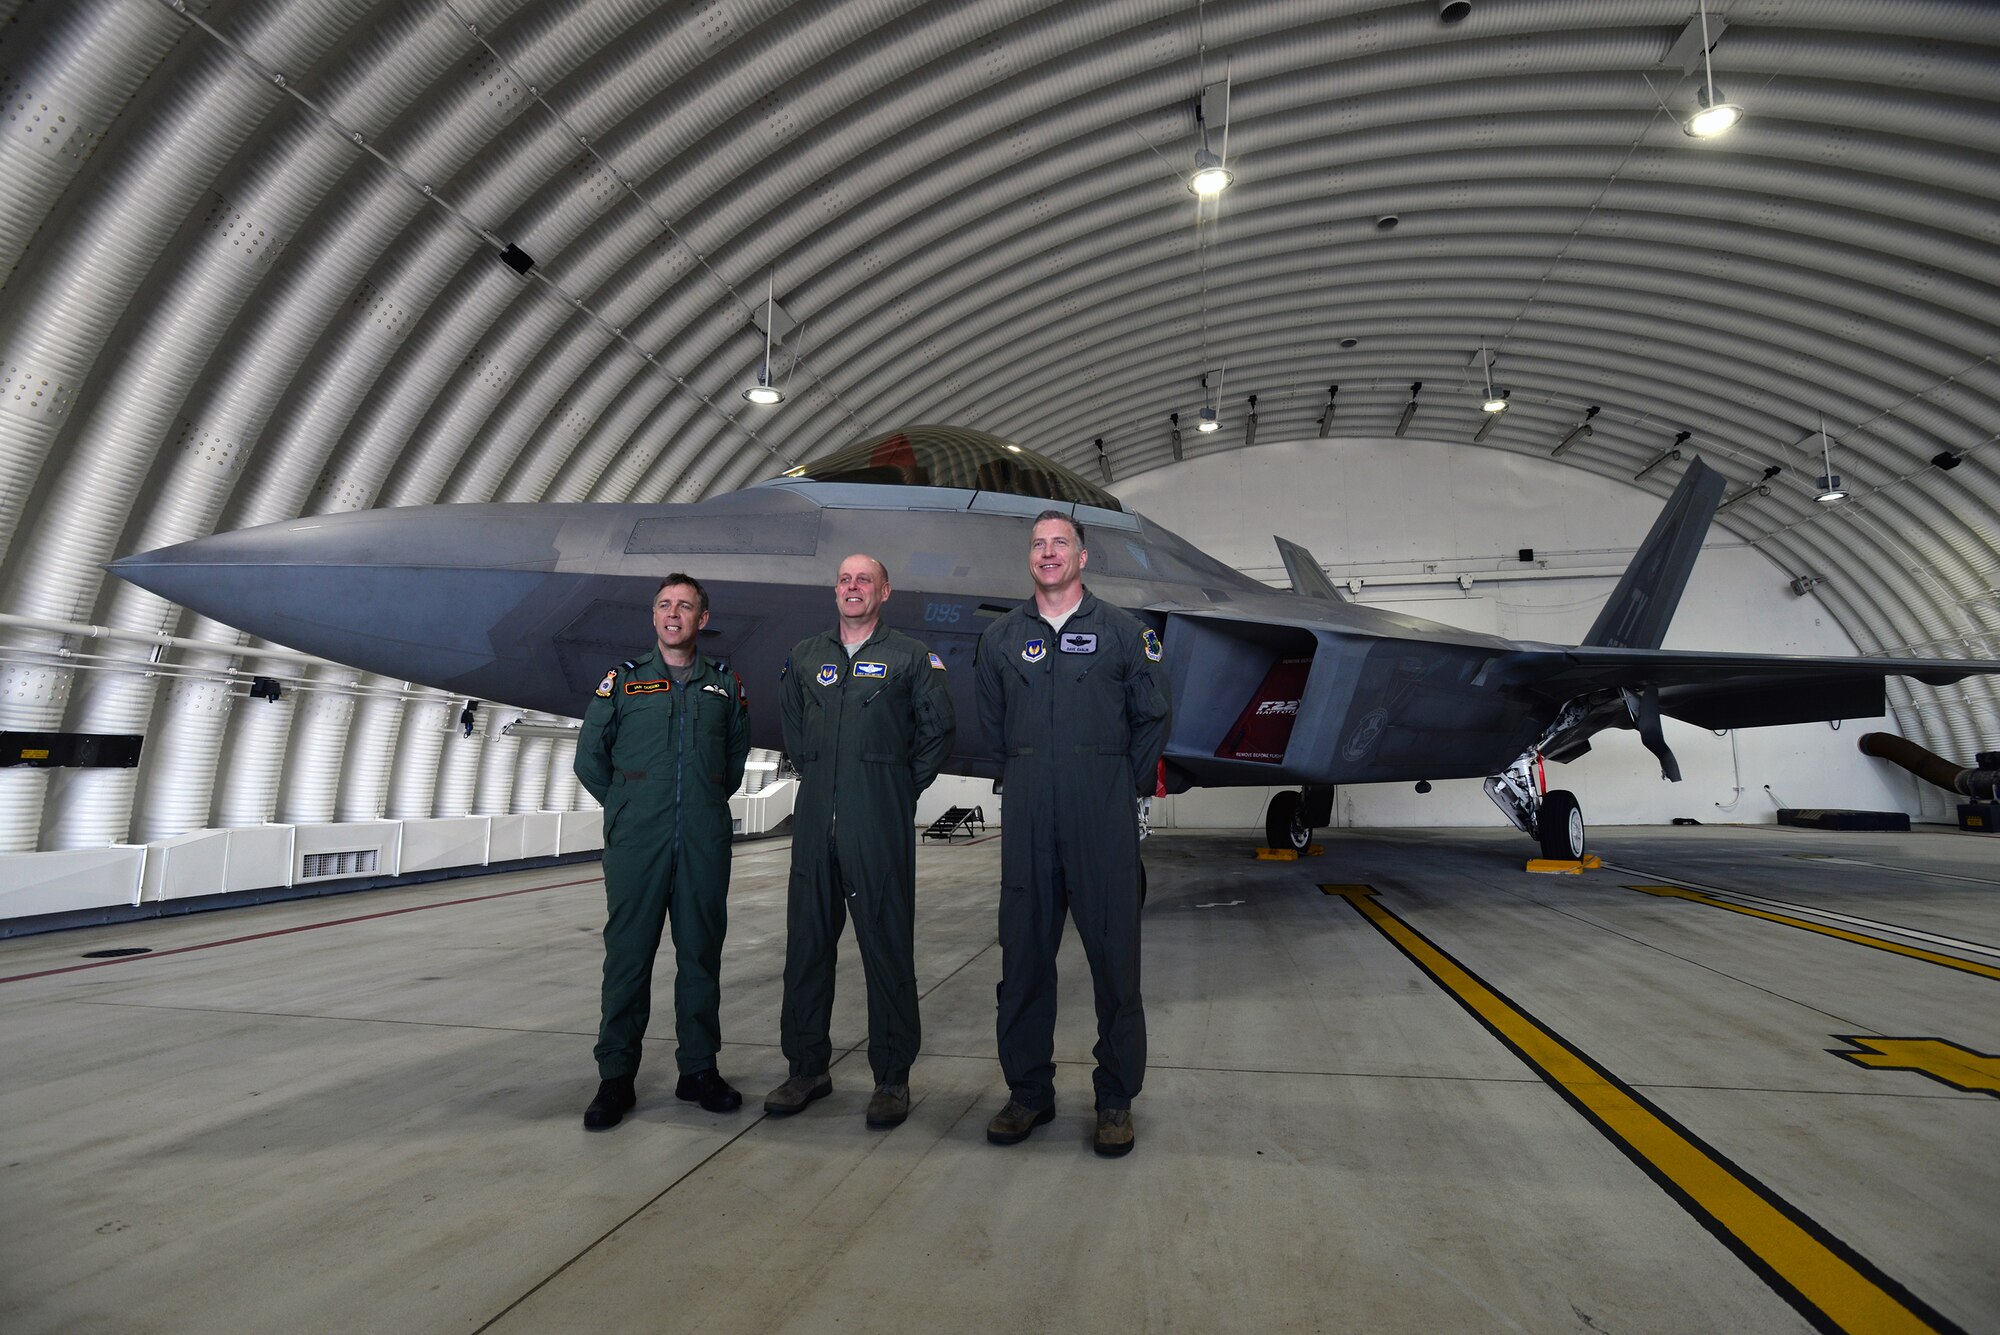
{"x": 647, "y": 687}
{"x": 1078, "y": 644}
{"x": 871, "y": 669}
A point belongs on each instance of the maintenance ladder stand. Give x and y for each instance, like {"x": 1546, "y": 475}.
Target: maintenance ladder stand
{"x": 956, "y": 819}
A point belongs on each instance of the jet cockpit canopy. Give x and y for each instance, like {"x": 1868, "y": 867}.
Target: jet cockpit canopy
{"x": 956, "y": 456}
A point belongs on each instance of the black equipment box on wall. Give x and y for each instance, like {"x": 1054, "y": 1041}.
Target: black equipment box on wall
{"x": 70, "y": 750}
{"x": 1815, "y": 818}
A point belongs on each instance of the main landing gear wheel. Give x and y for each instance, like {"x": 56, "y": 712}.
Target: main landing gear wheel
{"x": 1559, "y": 826}
{"x": 1284, "y": 825}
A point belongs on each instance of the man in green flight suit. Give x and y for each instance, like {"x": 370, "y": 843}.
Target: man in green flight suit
{"x": 662, "y": 748}
{"x": 868, "y": 722}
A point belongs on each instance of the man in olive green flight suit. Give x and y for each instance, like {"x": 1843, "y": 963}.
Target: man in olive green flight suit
{"x": 1071, "y": 691}
{"x": 868, "y": 722}
{"x": 662, "y": 747}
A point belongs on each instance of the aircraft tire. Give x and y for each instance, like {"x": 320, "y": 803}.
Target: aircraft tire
{"x": 1282, "y": 826}
{"x": 1559, "y": 825}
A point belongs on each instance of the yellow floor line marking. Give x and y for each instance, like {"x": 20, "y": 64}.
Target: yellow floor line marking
{"x": 1942, "y": 1060}
{"x": 1838, "y": 933}
{"x": 1829, "y": 1284}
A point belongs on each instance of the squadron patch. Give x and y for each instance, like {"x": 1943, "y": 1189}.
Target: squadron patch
{"x": 786, "y": 668}
{"x": 1076, "y": 643}
{"x": 604, "y": 687}
{"x": 871, "y": 669}
{"x": 1034, "y": 651}
{"x": 937, "y": 662}
{"x": 828, "y": 675}
{"x": 1152, "y": 639}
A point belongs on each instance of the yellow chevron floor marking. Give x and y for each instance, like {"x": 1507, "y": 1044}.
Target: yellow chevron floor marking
{"x": 1831, "y": 1285}
{"x": 1943, "y": 1061}
{"x": 1873, "y": 942}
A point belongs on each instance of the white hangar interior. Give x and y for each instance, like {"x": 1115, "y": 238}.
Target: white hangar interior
{"x": 274, "y": 260}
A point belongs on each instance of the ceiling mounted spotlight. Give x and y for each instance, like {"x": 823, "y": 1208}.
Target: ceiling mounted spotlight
{"x": 1211, "y": 174}
{"x": 1714, "y": 114}
{"x": 1174, "y": 435}
{"x": 1250, "y": 423}
{"x": 1410, "y": 409}
{"x": 1830, "y": 489}
{"x": 764, "y": 393}
{"x": 1103, "y": 462}
{"x": 1667, "y": 455}
{"x": 1210, "y": 178}
{"x": 1326, "y": 418}
{"x": 1493, "y": 403}
{"x": 1211, "y": 420}
{"x": 1581, "y": 431}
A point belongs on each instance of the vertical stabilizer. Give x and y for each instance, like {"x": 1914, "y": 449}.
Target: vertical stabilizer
{"x": 1306, "y": 576}
{"x": 1640, "y": 607}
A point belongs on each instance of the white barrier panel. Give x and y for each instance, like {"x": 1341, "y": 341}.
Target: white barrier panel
{"x": 83, "y": 878}
{"x": 451, "y": 841}
{"x": 581, "y": 830}
{"x": 764, "y": 810}
{"x": 260, "y": 857}
{"x": 187, "y": 864}
{"x": 343, "y": 850}
{"x": 508, "y": 838}
{"x": 541, "y": 834}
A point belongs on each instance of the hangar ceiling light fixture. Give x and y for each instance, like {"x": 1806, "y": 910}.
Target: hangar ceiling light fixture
{"x": 1714, "y": 114}
{"x": 1667, "y": 455}
{"x": 1493, "y": 403}
{"x": 1250, "y": 423}
{"x": 1581, "y": 431}
{"x": 1174, "y": 435}
{"x": 764, "y": 393}
{"x": 1211, "y": 421}
{"x": 1409, "y": 409}
{"x": 1326, "y": 418}
{"x": 1830, "y": 489}
{"x": 1761, "y": 487}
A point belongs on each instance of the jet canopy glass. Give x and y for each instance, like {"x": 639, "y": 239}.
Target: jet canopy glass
{"x": 953, "y": 456}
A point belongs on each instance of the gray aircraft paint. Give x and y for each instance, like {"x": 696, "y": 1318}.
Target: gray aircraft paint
{"x": 529, "y": 604}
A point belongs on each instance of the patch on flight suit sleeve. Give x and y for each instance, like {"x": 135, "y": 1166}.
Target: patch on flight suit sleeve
{"x": 743, "y": 695}
{"x": 604, "y": 687}
{"x": 1152, "y": 638}
{"x": 937, "y": 662}
{"x": 786, "y": 668}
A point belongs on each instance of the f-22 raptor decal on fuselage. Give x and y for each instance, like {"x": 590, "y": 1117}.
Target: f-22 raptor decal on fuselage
{"x": 528, "y": 604}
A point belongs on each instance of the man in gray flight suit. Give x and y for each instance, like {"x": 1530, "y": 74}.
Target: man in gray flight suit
{"x": 662, "y": 748}
{"x": 1072, "y": 692}
{"x": 868, "y": 721}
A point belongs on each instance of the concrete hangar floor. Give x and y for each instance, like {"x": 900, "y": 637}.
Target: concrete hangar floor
{"x": 1473, "y": 1099}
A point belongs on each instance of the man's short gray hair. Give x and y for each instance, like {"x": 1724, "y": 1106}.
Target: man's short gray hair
{"x": 1066, "y": 518}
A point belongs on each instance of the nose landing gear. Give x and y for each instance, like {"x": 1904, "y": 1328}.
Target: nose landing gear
{"x": 1291, "y": 817}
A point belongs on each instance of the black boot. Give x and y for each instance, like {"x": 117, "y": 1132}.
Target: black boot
{"x": 614, "y": 1099}
{"x": 710, "y": 1090}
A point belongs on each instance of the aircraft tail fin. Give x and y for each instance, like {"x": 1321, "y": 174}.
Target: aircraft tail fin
{"x": 1306, "y": 576}
{"x": 1637, "y": 613}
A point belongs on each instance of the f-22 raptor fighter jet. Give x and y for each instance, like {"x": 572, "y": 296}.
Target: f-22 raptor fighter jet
{"x": 529, "y": 604}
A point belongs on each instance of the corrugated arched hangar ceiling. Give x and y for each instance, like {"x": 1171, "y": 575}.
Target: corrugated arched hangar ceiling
{"x": 282, "y": 258}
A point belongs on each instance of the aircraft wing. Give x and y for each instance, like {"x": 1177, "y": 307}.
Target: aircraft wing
{"x": 1634, "y": 687}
